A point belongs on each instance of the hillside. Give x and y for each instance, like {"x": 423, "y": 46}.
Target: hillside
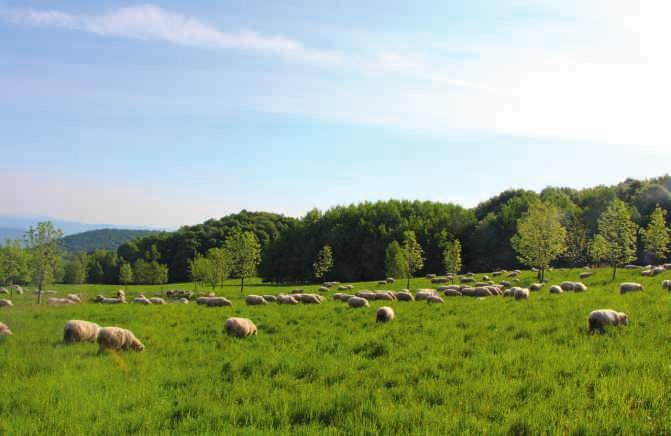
{"x": 103, "y": 239}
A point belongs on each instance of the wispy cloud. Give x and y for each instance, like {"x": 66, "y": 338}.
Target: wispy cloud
{"x": 150, "y": 22}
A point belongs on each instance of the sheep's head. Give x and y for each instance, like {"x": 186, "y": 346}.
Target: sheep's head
{"x": 624, "y": 319}
{"x": 136, "y": 345}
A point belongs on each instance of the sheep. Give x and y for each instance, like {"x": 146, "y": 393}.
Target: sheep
{"x": 385, "y": 295}
{"x": 390, "y": 280}
{"x": 311, "y": 299}
{"x": 286, "y": 299}
{"x": 646, "y": 272}
{"x": 586, "y": 275}
{"x": 513, "y": 274}
{"x": 255, "y": 300}
{"x": 120, "y": 293}
{"x": 630, "y": 287}
{"x": 667, "y": 266}
{"x": 218, "y": 302}
{"x": 385, "y": 314}
{"x": 4, "y": 291}
{"x": 367, "y": 295}
{"x": 631, "y": 267}
{"x": 404, "y": 296}
{"x": 157, "y": 300}
{"x": 452, "y": 293}
{"x": 567, "y": 286}
{"x": 74, "y": 297}
{"x": 116, "y": 338}
{"x": 382, "y": 282}
{"x": 4, "y": 330}
{"x": 666, "y": 285}
{"x": 176, "y": 294}
{"x": 535, "y": 287}
{"x": 239, "y": 327}
{"x": 485, "y": 278}
{"x": 466, "y": 279}
{"x": 6, "y": 303}
{"x": 497, "y": 273}
{"x": 430, "y": 276}
{"x": 556, "y": 289}
{"x": 182, "y": 300}
{"x": 509, "y": 292}
{"x": 323, "y": 289}
{"x": 439, "y": 280}
{"x": 80, "y": 331}
{"x": 579, "y": 287}
{"x": 505, "y": 283}
{"x": 142, "y": 300}
{"x": 434, "y": 298}
{"x": 521, "y": 294}
{"x": 104, "y": 300}
{"x": 270, "y": 298}
{"x": 598, "y": 319}
{"x": 424, "y": 294}
{"x": 343, "y": 288}
{"x": 53, "y": 301}
{"x": 658, "y": 270}
{"x": 356, "y": 302}
{"x": 339, "y": 296}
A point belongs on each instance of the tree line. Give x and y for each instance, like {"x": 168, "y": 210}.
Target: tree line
{"x": 611, "y": 225}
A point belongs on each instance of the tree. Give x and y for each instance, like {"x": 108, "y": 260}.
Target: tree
{"x": 615, "y": 243}
{"x": 540, "y": 237}
{"x": 200, "y": 268}
{"x": 324, "y": 262}
{"x": 220, "y": 266}
{"x": 414, "y": 255}
{"x": 395, "y": 263}
{"x": 125, "y": 273}
{"x": 96, "y": 273}
{"x": 74, "y": 272}
{"x": 14, "y": 264}
{"x": 245, "y": 254}
{"x": 452, "y": 257}
{"x": 43, "y": 243}
{"x": 577, "y": 240}
{"x": 656, "y": 235}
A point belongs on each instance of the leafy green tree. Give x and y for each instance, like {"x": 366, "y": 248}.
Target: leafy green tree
{"x": 244, "y": 250}
{"x": 96, "y": 273}
{"x": 395, "y": 263}
{"x": 220, "y": 266}
{"x": 324, "y": 263}
{"x": 577, "y": 240}
{"x": 200, "y": 268}
{"x": 413, "y": 253}
{"x": 452, "y": 257}
{"x": 656, "y": 235}
{"x": 615, "y": 243}
{"x": 14, "y": 264}
{"x": 125, "y": 273}
{"x": 74, "y": 272}
{"x": 540, "y": 237}
{"x": 43, "y": 244}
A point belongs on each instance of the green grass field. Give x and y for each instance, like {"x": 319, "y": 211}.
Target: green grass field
{"x": 474, "y": 366}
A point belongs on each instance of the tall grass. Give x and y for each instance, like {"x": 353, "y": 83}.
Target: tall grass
{"x": 489, "y": 365}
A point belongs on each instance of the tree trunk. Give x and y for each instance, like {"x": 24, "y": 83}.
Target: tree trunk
{"x": 242, "y": 284}
{"x": 408, "y": 286}
{"x": 614, "y": 271}
{"x": 542, "y": 275}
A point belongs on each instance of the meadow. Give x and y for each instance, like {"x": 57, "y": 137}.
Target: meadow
{"x": 470, "y": 366}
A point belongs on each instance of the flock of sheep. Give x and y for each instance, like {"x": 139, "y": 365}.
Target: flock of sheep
{"x": 117, "y": 338}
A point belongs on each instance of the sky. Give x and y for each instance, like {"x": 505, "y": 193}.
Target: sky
{"x": 170, "y": 113}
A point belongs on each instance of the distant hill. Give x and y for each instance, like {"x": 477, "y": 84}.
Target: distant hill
{"x": 22, "y": 223}
{"x": 103, "y": 239}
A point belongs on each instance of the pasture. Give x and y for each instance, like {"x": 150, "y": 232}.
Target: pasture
{"x": 492, "y": 365}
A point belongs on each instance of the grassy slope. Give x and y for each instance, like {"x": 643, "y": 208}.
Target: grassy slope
{"x": 493, "y": 365}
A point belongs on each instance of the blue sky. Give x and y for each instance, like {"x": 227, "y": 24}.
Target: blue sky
{"x": 169, "y": 113}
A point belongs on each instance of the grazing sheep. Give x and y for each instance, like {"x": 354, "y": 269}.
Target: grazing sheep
{"x": 6, "y": 303}
{"x": 567, "y": 286}
{"x": 142, "y": 300}
{"x": 120, "y": 293}
{"x": 667, "y": 266}
{"x": 384, "y": 314}
{"x": 382, "y": 282}
{"x": 598, "y": 319}
{"x": 311, "y": 299}
{"x": 586, "y": 275}
{"x": 466, "y": 279}
{"x": 646, "y": 272}
{"x": 424, "y": 294}
{"x": 53, "y": 301}
{"x": 509, "y": 292}
{"x": 104, "y": 300}
{"x": 339, "y": 296}
{"x": 385, "y": 295}
{"x": 658, "y": 270}
{"x": 630, "y": 287}
{"x": 182, "y": 300}
{"x": 4, "y": 330}
{"x": 556, "y": 289}
{"x": 535, "y": 287}
{"x": 505, "y": 283}
{"x": 218, "y": 302}
{"x": 343, "y": 288}
{"x": 391, "y": 280}
{"x": 239, "y": 327}
{"x": 357, "y": 302}
{"x": 367, "y": 295}
{"x": 452, "y": 293}
{"x": 74, "y": 297}
{"x": 497, "y": 273}
{"x": 157, "y": 300}
{"x": 404, "y": 296}
{"x": 513, "y": 274}
{"x": 4, "y": 291}
{"x": 286, "y": 299}
{"x": 434, "y": 298}
{"x": 116, "y": 338}
{"x": 579, "y": 287}
{"x": 521, "y": 294}
{"x": 270, "y": 298}
{"x": 80, "y": 331}
{"x": 631, "y": 267}
{"x": 666, "y": 285}
{"x": 439, "y": 280}
{"x": 430, "y": 276}
{"x": 323, "y": 289}
{"x": 255, "y": 300}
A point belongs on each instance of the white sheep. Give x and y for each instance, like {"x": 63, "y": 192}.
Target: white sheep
{"x": 240, "y": 327}
{"x": 556, "y": 289}
{"x": 630, "y": 287}
{"x": 598, "y": 319}
{"x": 521, "y": 294}
{"x": 357, "y": 302}
{"x": 255, "y": 300}
{"x": 567, "y": 286}
{"x": 286, "y": 299}
{"x": 142, "y": 300}
{"x": 54, "y": 301}
{"x": 404, "y": 296}
{"x": 157, "y": 300}
{"x": 116, "y": 338}
{"x": 6, "y": 303}
{"x": 80, "y": 331}
{"x": 385, "y": 314}
{"x": 579, "y": 287}
{"x": 534, "y": 287}
{"x": 4, "y": 330}
{"x": 666, "y": 285}
{"x": 434, "y": 298}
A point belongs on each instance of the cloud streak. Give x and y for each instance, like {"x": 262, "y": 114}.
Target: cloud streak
{"x": 150, "y": 22}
